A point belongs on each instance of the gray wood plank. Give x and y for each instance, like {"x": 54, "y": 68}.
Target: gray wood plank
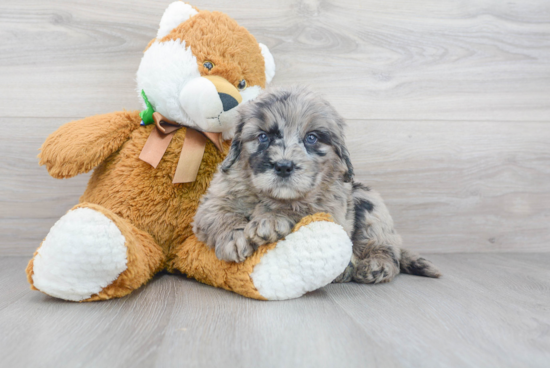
{"x": 450, "y": 186}
{"x": 488, "y": 310}
{"x": 459, "y": 186}
{"x": 56, "y": 333}
{"x": 13, "y": 282}
{"x": 479, "y": 60}
{"x": 30, "y": 200}
{"x": 232, "y": 331}
{"x": 174, "y": 321}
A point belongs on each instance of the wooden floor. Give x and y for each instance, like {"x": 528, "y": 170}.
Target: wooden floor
{"x": 448, "y": 107}
{"x": 448, "y": 103}
{"x": 488, "y": 311}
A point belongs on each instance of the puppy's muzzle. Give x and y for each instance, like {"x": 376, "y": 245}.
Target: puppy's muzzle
{"x": 284, "y": 168}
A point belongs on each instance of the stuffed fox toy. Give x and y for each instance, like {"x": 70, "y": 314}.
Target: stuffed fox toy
{"x": 151, "y": 168}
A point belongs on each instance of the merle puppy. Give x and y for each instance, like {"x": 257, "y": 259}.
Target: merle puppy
{"x": 288, "y": 160}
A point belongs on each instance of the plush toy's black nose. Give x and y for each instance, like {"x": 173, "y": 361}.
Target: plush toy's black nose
{"x": 228, "y": 101}
{"x": 284, "y": 168}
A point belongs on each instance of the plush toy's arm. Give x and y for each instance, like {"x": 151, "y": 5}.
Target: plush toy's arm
{"x": 313, "y": 255}
{"x": 79, "y": 146}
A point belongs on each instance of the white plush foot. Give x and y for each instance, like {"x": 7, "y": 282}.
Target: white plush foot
{"x": 83, "y": 253}
{"x": 306, "y": 260}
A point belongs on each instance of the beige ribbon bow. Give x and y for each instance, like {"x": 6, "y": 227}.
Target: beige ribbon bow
{"x": 191, "y": 152}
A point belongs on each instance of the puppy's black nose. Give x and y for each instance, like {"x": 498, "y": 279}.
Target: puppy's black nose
{"x": 284, "y": 168}
{"x": 228, "y": 101}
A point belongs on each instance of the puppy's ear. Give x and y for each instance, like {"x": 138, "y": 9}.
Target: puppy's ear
{"x": 235, "y": 150}
{"x": 344, "y": 155}
{"x": 339, "y": 143}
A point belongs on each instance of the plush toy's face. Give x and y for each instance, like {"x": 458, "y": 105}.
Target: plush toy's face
{"x": 201, "y": 66}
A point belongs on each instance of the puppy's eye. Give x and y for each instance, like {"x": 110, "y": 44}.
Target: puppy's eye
{"x": 263, "y": 138}
{"x": 242, "y": 84}
{"x": 208, "y": 65}
{"x": 311, "y": 139}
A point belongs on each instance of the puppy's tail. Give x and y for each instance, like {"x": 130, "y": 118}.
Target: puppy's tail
{"x": 413, "y": 264}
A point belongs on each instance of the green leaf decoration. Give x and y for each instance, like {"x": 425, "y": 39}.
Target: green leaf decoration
{"x": 147, "y": 115}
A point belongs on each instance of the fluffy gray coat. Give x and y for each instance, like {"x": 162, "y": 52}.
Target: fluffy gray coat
{"x": 288, "y": 160}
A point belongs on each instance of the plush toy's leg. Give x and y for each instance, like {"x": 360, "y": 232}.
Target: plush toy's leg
{"x": 93, "y": 254}
{"x": 311, "y": 257}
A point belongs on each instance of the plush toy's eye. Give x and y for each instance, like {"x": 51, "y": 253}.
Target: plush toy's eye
{"x": 263, "y": 138}
{"x": 208, "y": 65}
{"x": 311, "y": 139}
{"x": 242, "y": 84}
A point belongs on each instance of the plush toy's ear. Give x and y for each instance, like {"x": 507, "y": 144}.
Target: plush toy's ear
{"x": 269, "y": 63}
{"x": 176, "y": 13}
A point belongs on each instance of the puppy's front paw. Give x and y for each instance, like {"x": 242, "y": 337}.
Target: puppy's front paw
{"x": 267, "y": 229}
{"x": 375, "y": 270}
{"x": 235, "y": 248}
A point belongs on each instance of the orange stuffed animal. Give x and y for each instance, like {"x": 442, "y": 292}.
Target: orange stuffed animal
{"x": 134, "y": 219}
